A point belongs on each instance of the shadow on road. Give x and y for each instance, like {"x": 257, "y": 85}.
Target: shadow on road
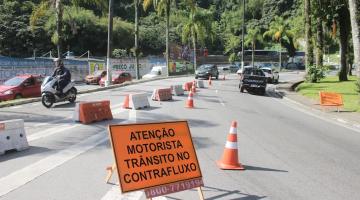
{"x": 13, "y": 154}
{"x": 254, "y": 168}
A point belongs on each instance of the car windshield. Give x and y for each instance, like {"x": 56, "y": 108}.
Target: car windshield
{"x": 255, "y": 72}
{"x": 14, "y": 81}
{"x": 205, "y": 67}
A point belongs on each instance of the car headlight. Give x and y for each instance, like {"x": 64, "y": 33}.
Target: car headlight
{"x": 9, "y": 92}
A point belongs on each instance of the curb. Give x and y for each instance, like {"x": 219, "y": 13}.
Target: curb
{"x": 292, "y": 88}
{"x": 37, "y": 99}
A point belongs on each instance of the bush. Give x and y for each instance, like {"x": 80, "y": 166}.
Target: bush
{"x": 315, "y": 74}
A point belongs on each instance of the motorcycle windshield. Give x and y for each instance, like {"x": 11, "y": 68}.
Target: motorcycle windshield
{"x": 46, "y": 80}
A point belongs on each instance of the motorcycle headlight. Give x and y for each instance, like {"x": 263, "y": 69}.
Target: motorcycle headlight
{"x": 9, "y": 92}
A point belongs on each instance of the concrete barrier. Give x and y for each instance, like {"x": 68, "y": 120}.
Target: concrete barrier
{"x": 12, "y": 136}
{"x": 162, "y": 94}
{"x": 138, "y": 101}
{"x": 200, "y": 84}
{"x": 177, "y": 90}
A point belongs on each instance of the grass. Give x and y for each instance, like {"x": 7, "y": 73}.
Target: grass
{"x": 331, "y": 84}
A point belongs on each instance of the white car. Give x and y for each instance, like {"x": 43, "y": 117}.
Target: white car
{"x": 156, "y": 71}
{"x": 271, "y": 74}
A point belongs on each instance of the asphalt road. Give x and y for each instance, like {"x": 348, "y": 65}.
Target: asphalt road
{"x": 288, "y": 152}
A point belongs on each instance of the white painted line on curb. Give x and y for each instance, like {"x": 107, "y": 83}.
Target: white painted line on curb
{"x": 25, "y": 175}
{"x": 115, "y": 194}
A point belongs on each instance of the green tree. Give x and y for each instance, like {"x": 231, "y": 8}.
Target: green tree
{"x": 252, "y": 37}
{"x": 280, "y": 32}
{"x": 162, "y": 6}
{"x": 195, "y": 27}
{"x": 309, "y": 56}
{"x": 231, "y": 46}
{"x": 354, "y": 12}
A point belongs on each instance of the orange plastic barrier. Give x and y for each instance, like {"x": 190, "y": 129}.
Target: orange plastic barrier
{"x": 90, "y": 112}
{"x": 331, "y": 99}
{"x": 162, "y": 94}
{"x": 230, "y": 159}
{"x": 188, "y": 86}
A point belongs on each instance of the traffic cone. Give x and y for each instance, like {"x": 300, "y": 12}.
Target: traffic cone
{"x": 190, "y": 101}
{"x": 193, "y": 87}
{"x": 224, "y": 77}
{"x": 126, "y": 102}
{"x": 229, "y": 159}
{"x": 209, "y": 80}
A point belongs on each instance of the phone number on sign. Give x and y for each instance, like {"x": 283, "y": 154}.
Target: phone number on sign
{"x": 173, "y": 187}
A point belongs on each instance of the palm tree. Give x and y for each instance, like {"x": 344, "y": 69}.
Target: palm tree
{"x": 308, "y": 34}
{"x": 40, "y": 11}
{"x": 353, "y": 5}
{"x": 280, "y": 32}
{"x": 161, "y": 6}
{"x": 253, "y": 36}
{"x": 195, "y": 28}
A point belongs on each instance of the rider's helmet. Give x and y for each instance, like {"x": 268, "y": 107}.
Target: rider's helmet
{"x": 58, "y": 62}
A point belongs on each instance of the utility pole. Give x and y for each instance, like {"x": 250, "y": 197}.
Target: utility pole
{"x": 137, "y": 39}
{"x": 243, "y": 37}
{"x": 108, "y": 57}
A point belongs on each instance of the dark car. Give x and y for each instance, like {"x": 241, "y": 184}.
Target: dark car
{"x": 95, "y": 77}
{"x": 253, "y": 80}
{"x": 117, "y": 78}
{"x": 21, "y": 86}
{"x": 207, "y": 71}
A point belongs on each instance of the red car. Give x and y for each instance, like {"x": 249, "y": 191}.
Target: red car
{"x": 117, "y": 78}
{"x": 95, "y": 77}
{"x": 21, "y": 86}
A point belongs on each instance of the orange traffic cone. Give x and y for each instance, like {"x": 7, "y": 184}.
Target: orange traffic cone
{"x": 190, "y": 101}
{"x": 193, "y": 87}
{"x": 209, "y": 80}
{"x": 126, "y": 102}
{"x": 229, "y": 159}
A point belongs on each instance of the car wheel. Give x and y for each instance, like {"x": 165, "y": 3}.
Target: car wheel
{"x": 262, "y": 91}
{"x": 196, "y": 77}
{"x": 18, "y": 96}
{"x": 241, "y": 88}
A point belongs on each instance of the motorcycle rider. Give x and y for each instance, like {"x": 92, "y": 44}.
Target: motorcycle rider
{"x": 62, "y": 73}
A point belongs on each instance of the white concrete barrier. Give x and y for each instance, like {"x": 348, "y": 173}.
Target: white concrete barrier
{"x": 12, "y": 136}
{"x": 200, "y": 84}
{"x": 178, "y": 90}
{"x": 138, "y": 101}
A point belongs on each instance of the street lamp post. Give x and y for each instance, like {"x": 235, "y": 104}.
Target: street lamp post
{"x": 243, "y": 37}
{"x": 108, "y": 56}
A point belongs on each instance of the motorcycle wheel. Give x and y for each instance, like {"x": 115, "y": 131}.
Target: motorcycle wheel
{"x": 72, "y": 94}
{"x": 47, "y": 100}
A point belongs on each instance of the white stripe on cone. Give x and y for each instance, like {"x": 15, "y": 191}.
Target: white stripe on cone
{"x": 231, "y": 145}
{"x": 233, "y": 130}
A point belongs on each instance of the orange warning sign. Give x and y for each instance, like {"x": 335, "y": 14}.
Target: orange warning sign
{"x": 153, "y": 154}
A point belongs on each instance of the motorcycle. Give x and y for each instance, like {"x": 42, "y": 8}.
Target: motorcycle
{"x": 49, "y": 94}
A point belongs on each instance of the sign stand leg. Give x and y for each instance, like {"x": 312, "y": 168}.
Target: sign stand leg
{"x": 201, "y": 195}
{"x": 111, "y": 170}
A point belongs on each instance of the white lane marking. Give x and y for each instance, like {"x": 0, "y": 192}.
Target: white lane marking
{"x": 52, "y": 131}
{"x": 115, "y": 194}
{"x": 341, "y": 120}
{"x": 52, "y": 122}
{"x": 132, "y": 115}
{"x": 16, "y": 107}
{"x": 29, "y": 173}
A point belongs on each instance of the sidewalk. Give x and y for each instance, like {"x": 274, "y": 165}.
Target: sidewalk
{"x": 286, "y": 90}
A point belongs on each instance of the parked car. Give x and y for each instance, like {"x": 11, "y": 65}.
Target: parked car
{"x": 117, "y": 78}
{"x": 21, "y": 86}
{"x": 207, "y": 71}
{"x": 253, "y": 80}
{"x": 156, "y": 71}
{"x": 271, "y": 74}
{"x": 95, "y": 77}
